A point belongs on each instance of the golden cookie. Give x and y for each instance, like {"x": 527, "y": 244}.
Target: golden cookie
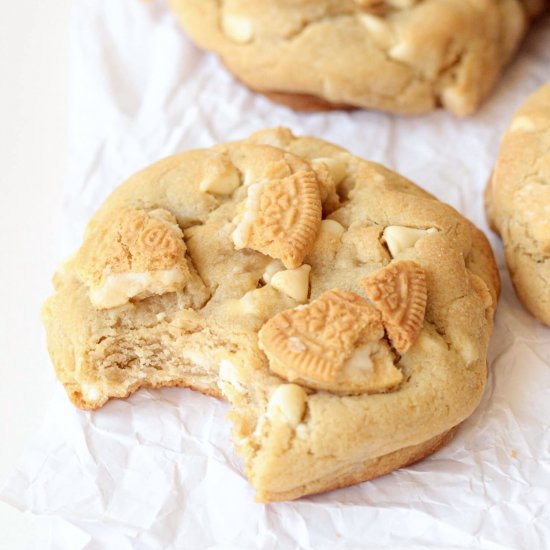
{"x": 282, "y": 328}
{"x": 402, "y": 56}
{"x": 518, "y": 202}
{"x": 399, "y": 291}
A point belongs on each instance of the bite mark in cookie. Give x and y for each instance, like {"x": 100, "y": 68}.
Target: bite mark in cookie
{"x": 300, "y": 427}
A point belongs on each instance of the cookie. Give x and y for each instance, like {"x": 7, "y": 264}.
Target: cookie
{"x": 518, "y": 202}
{"x": 347, "y": 325}
{"x": 406, "y": 57}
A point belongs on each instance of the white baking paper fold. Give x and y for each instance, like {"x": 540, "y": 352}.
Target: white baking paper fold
{"x": 158, "y": 470}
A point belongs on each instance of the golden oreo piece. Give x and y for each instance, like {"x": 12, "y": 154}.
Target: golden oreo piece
{"x": 334, "y": 343}
{"x": 399, "y": 291}
{"x": 281, "y": 218}
{"x": 132, "y": 254}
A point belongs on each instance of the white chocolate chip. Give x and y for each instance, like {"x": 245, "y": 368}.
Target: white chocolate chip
{"x": 222, "y": 180}
{"x": 252, "y": 206}
{"x": 250, "y": 177}
{"x": 287, "y": 404}
{"x": 337, "y": 168}
{"x": 454, "y": 99}
{"x": 361, "y": 360}
{"x": 118, "y": 288}
{"x": 302, "y": 431}
{"x": 522, "y": 124}
{"x": 90, "y": 393}
{"x": 293, "y": 282}
{"x": 400, "y": 238}
{"x": 228, "y": 374}
{"x": 238, "y": 27}
{"x": 378, "y": 29}
{"x": 271, "y": 268}
{"x": 332, "y": 227}
{"x": 196, "y": 357}
{"x": 248, "y": 303}
{"x": 403, "y": 51}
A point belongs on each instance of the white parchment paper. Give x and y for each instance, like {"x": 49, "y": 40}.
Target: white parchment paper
{"x": 158, "y": 470}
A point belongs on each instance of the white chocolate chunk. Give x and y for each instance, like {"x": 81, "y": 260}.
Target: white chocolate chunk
{"x": 271, "y": 268}
{"x": 249, "y": 302}
{"x": 118, "y": 288}
{"x": 293, "y": 282}
{"x": 91, "y": 393}
{"x": 332, "y": 227}
{"x": 361, "y": 360}
{"x": 337, "y": 168}
{"x": 228, "y": 374}
{"x": 403, "y": 51}
{"x": 252, "y": 206}
{"x": 238, "y": 27}
{"x": 221, "y": 178}
{"x": 287, "y": 404}
{"x": 400, "y": 238}
{"x": 379, "y": 30}
{"x": 522, "y": 124}
{"x": 196, "y": 357}
{"x": 302, "y": 431}
{"x": 250, "y": 177}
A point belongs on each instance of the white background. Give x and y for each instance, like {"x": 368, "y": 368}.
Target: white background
{"x": 34, "y": 41}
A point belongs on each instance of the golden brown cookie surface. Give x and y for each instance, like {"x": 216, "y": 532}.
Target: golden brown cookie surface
{"x": 518, "y": 202}
{"x": 402, "y": 56}
{"x": 329, "y": 383}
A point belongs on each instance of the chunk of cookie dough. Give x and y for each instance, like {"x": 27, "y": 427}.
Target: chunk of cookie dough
{"x": 401, "y": 56}
{"x": 343, "y": 312}
{"x": 518, "y": 202}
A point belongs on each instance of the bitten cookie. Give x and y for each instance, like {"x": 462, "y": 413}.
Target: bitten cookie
{"x": 342, "y": 311}
{"x": 401, "y": 56}
{"x": 518, "y": 202}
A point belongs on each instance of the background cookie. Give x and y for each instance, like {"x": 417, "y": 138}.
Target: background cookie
{"x": 400, "y": 56}
{"x": 399, "y": 373}
{"x": 518, "y": 202}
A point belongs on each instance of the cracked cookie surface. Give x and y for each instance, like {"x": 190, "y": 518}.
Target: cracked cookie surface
{"x": 407, "y": 56}
{"x": 327, "y": 387}
{"x": 518, "y": 202}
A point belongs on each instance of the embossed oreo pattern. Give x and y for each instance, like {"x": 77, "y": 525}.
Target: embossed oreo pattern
{"x": 132, "y": 240}
{"x": 288, "y": 219}
{"x": 399, "y": 292}
{"x": 316, "y": 340}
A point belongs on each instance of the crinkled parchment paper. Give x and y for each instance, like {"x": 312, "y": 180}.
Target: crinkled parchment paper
{"x": 158, "y": 470}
